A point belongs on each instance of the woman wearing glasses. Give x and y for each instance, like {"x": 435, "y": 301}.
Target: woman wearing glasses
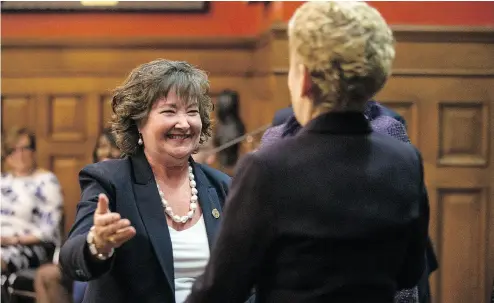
{"x": 31, "y": 205}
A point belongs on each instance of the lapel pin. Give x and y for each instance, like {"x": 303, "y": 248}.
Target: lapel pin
{"x": 216, "y": 213}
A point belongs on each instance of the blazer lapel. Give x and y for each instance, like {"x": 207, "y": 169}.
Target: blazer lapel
{"x": 209, "y": 202}
{"x": 152, "y": 214}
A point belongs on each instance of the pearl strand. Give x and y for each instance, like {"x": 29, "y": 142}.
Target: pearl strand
{"x": 193, "y": 201}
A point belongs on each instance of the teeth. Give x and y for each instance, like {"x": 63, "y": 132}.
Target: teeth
{"x": 178, "y": 136}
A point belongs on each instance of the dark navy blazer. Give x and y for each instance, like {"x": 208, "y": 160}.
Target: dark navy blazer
{"x": 142, "y": 269}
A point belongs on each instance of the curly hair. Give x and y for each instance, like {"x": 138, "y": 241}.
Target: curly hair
{"x": 132, "y": 101}
{"x": 348, "y": 49}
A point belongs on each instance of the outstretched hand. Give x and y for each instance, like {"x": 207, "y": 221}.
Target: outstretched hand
{"x": 110, "y": 230}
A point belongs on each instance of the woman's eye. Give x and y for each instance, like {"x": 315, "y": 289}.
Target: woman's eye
{"x": 167, "y": 112}
{"x": 193, "y": 111}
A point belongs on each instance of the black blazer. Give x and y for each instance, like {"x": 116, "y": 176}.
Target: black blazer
{"x": 141, "y": 269}
{"x": 335, "y": 214}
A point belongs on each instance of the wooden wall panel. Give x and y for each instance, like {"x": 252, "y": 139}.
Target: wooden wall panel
{"x": 67, "y": 118}
{"x": 442, "y": 83}
{"x": 105, "y": 108}
{"x": 67, "y": 168}
{"x": 70, "y": 58}
{"x": 463, "y": 129}
{"x": 462, "y": 243}
{"x": 21, "y": 111}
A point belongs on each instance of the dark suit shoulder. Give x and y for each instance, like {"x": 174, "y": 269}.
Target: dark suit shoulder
{"x": 216, "y": 177}
{"x": 272, "y": 156}
{"x": 392, "y": 145}
{"x": 298, "y": 149}
{"x": 109, "y": 173}
{"x": 110, "y": 168}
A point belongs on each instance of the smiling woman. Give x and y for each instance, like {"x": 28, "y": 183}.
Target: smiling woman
{"x": 159, "y": 99}
{"x": 151, "y": 216}
{"x": 31, "y": 205}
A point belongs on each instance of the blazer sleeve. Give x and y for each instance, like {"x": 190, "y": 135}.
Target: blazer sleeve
{"x": 414, "y": 263}
{"x": 244, "y": 237}
{"x": 75, "y": 258}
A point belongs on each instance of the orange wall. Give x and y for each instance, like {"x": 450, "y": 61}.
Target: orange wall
{"x": 223, "y": 19}
{"x": 227, "y": 19}
{"x": 469, "y": 13}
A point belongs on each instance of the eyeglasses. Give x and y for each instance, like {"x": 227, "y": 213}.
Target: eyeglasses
{"x": 20, "y": 149}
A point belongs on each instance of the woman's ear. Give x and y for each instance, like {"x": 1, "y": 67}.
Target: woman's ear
{"x": 306, "y": 81}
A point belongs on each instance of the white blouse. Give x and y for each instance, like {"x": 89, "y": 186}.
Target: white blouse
{"x": 190, "y": 256}
{"x": 31, "y": 205}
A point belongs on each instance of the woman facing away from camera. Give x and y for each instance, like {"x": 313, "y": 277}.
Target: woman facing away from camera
{"x": 51, "y": 284}
{"x": 146, "y": 222}
{"x": 337, "y": 213}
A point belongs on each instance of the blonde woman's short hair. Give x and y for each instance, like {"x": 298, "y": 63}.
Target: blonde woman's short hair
{"x": 348, "y": 49}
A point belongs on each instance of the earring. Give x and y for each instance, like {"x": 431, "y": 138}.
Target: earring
{"x": 140, "y": 140}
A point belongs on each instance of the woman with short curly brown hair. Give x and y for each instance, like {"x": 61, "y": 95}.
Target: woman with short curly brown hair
{"x": 133, "y": 100}
{"x": 145, "y": 223}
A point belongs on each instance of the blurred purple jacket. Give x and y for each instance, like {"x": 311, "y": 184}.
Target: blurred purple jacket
{"x": 382, "y": 124}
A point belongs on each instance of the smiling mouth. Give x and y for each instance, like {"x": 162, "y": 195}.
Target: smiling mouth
{"x": 179, "y": 137}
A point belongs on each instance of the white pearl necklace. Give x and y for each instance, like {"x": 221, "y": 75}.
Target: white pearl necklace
{"x": 193, "y": 201}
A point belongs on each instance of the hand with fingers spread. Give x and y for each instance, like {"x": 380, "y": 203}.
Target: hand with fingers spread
{"x": 109, "y": 231}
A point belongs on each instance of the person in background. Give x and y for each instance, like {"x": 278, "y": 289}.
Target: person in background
{"x": 106, "y": 148}
{"x": 50, "y": 284}
{"x": 337, "y": 213}
{"x": 145, "y": 223}
{"x": 31, "y": 207}
{"x": 204, "y": 155}
{"x": 373, "y": 110}
{"x": 382, "y": 119}
{"x": 282, "y": 115}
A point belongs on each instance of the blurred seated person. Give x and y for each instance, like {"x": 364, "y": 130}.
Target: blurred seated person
{"x": 106, "y": 148}
{"x": 203, "y": 154}
{"x": 31, "y": 206}
{"x": 51, "y": 285}
{"x": 229, "y": 126}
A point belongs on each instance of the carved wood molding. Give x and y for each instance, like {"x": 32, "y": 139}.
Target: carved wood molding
{"x": 424, "y": 33}
{"x": 205, "y": 43}
{"x": 260, "y": 56}
{"x": 478, "y": 34}
{"x": 404, "y": 72}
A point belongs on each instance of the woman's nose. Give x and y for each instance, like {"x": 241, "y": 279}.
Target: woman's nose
{"x": 182, "y": 122}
